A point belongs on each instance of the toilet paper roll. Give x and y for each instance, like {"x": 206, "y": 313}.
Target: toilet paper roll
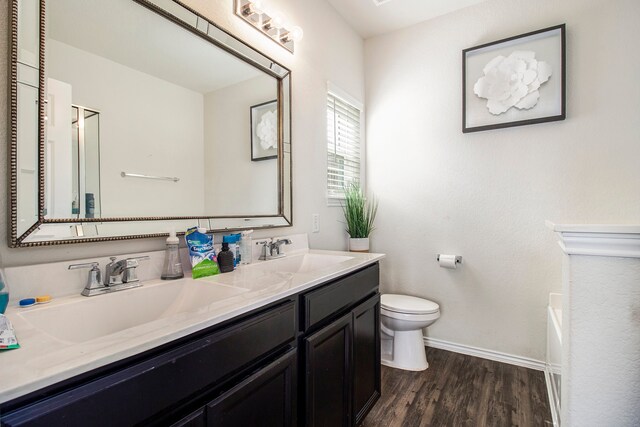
{"x": 447, "y": 261}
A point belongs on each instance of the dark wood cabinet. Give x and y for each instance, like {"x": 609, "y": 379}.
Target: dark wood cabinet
{"x": 340, "y": 345}
{"x": 366, "y": 357}
{"x": 266, "y": 398}
{"x": 309, "y": 359}
{"x": 342, "y": 367}
{"x": 154, "y": 391}
{"x": 195, "y": 419}
{"x": 328, "y": 373}
{"x": 339, "y": 296}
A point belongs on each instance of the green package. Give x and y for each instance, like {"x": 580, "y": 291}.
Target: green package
{"x": 201, "y": 252}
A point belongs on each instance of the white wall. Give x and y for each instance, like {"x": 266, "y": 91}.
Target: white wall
{"x": 59, "y": 166}
{"x": 330, "y": 50}
{"x": 486, "y": 195}
{"x": 236, "y": 185}
{"x": 141, "y": 135}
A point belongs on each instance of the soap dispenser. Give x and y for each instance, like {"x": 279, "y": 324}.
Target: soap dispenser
{"x": 172, "y": 268}
{"x": 225, "y": 258}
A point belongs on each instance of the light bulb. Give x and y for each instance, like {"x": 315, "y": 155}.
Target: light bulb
{"x": 277, "y": 20}
{"x": 267, "y": 10}
{"x": 296, "y": 34}
{"x": 257, "y": 5}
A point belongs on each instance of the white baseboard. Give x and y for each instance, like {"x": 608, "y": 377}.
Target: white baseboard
{"x": 485, "y": 354}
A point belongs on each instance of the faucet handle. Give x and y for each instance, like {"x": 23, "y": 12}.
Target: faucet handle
{"x": 275, "y": 247}
{"x": 266, "y": 246}
{"x": 130, "y": 268}
{"x": 94, "y": 280}
{"x": 92, "y": 265}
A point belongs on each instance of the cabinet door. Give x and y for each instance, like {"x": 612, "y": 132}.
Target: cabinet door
{"x": 366, "y": 357}
{"x": 328, "y": 375}
{"x": 266, "y": 398}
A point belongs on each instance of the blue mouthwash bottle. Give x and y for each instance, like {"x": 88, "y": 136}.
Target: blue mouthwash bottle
{"x": 234, "y": 247}
{"x": 4, "y": 294}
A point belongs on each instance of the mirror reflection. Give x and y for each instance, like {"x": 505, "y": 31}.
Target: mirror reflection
{"x": 145, "y": 118}
{"x": 85, "y": 163}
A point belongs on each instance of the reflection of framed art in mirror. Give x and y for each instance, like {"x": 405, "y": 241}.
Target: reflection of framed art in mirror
{"x": 264, "y": 131}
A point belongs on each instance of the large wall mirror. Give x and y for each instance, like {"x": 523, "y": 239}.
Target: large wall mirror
{"x": 132, "y": 117}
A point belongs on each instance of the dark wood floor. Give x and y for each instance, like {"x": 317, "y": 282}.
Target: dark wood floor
{"x": 460, "y": 390}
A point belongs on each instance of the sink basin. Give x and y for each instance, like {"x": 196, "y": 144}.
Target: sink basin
{"x": 305, "y": 263}
{"x": 82, "y": 319}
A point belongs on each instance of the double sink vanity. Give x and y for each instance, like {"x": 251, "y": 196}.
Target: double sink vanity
{"x": 112, "y": 104}
{"x": 291, "y": 341}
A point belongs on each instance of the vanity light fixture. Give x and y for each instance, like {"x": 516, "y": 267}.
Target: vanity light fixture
{"x": 271, "y": 24}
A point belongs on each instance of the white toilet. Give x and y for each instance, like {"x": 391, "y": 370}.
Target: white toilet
{"x": 402, "y": 318}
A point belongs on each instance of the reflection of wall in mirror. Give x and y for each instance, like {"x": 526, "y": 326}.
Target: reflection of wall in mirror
{"x": 133, "y": 107}
{"x": 27, "y": 128}
{"x": 27, "y": 208}
{"x": 235, "y": 184}
{"x": 92, "y": 158}
{"x": 58, "y": 166}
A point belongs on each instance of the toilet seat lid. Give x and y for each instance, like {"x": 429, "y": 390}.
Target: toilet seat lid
{"x": 407, "y": 304}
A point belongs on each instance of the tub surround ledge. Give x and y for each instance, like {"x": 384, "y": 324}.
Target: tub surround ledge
{"x": 600, "y": 305}
{"x": 611, "y": 240}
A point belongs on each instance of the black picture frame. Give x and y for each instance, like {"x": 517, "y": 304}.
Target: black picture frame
{"x": 257, "y": 112}
{"x": 551, "y": 105}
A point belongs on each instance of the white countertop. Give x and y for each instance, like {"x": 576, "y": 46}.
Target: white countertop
{"x": 43, "y": 360}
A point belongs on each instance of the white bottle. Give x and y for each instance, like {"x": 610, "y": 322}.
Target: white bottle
{"x": 246, "y": 250}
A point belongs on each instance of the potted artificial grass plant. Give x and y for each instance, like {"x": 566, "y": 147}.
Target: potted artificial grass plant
{"x": 359, "y": 215}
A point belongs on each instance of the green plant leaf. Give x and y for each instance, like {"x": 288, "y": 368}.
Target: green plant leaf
{"x": 359, "y": 215}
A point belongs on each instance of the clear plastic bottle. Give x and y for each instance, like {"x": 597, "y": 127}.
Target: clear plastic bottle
{"x": 246, "y": 254}
{"x": 172, "y": 268}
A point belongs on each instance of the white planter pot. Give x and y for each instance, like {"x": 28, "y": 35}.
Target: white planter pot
{"x": 359, "y": 245}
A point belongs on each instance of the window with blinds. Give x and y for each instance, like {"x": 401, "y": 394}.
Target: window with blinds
{"x": 343, "y": 145}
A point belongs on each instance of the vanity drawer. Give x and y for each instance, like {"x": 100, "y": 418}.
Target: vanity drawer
{"x": 145, "y": 389}
{"x": 338, "y": 296}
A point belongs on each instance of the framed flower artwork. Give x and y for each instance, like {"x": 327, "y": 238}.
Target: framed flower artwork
{"x": 515, "y": 81}
{"x": 264, "y": 131}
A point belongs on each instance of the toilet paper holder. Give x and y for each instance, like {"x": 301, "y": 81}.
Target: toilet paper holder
{"x": 458, "y": 259}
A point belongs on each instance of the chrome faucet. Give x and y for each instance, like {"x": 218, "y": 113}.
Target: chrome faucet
{"x": 271, "y": 249}
{"x": 123, "y": 271}
{"x": 275, "y": 247}
{"x": 119, "y": 275}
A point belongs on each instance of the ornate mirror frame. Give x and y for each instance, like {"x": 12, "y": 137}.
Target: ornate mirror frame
{"x": 110, "y": 229}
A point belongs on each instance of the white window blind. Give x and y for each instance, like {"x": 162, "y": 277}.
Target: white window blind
{"x": 343, "y": 145}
